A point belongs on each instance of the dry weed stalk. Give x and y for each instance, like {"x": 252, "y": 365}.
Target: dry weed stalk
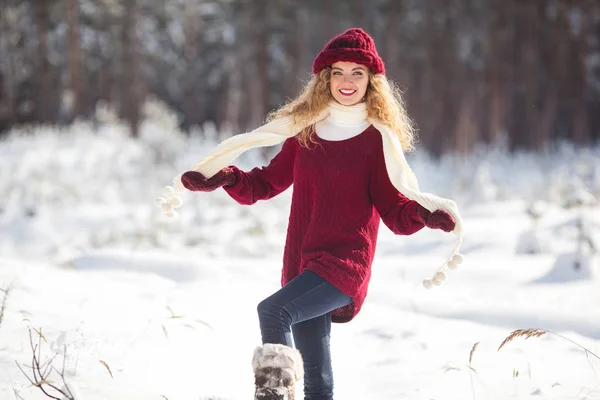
{"x": 107, "y": 368}
{"x": 533, "y": 332}
{"x": 471, "y": 354}
{"x": 41, "y": 371}
{"x": 471, "y": 369}
{"x": 527, "y": 333}
{"x": 3, "y": 305}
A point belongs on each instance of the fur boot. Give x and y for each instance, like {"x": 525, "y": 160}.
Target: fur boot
{"x": 277, "y": 368}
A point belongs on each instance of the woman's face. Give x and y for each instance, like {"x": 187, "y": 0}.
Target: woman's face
{"x": 349, "y": 82}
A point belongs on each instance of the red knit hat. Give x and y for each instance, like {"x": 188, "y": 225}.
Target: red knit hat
{"x": 354, "y": 45}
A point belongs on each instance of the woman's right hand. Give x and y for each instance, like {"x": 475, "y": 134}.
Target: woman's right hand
{"x": 196, "y": 182}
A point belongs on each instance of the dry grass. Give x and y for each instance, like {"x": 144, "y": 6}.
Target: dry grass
{"x": 107, "y": 368}
{"x": 526, "y": 333}
{"x": 471, "y": 369}
{"x": 471, "y": 354}
{"x": 529, "y": 333}
{"x": 3, "y": 305}
{"x": 533, "y": 332}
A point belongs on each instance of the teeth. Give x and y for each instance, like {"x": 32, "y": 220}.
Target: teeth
{"x": 347, "y": 91}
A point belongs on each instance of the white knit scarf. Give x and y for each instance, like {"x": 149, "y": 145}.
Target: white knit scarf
{"x": 278, "y": 130}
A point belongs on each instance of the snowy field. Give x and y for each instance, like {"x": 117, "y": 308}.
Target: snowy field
{"x": 135, "y": 306}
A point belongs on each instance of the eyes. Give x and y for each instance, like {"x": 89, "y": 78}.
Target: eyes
{"x": 355, "y": 73}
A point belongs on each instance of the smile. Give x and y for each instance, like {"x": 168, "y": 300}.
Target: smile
{"x": 347, "y": 92}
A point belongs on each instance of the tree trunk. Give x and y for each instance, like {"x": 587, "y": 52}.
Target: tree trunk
{"x": 529, "y": 56}
{"x": 441, "y": 99}
{"x": 194, "y": 87}
{"x": 466, "y": 124}
{"x": 104, "y": 81}
{"x": 395, "y": 68}
{"x": 466, "y": 82}
{"x": 329, "y": 19}
{"x": 555, "y": 57}
{"x": 8, "y": 22}
{"x": 430, "y": 106}
{"x": 44, "y": 94}
{"x": 497, "y": 72}
{"x": 578, "y": 53}
{"x": 131, "y": 96}
{"x": 516, "y": 117}
{"x": 452, "y": 78}
{"x": 364, "y": 13}
{"x": 231, "y": 115}
{"x": 75, "y": 76}
{"x": 594, "y": 103}
{"x": 247, "y": 66}
{"x": 259, "y": 100}
{"x": 301, "y": 64}
{"x": 233, "y": 103}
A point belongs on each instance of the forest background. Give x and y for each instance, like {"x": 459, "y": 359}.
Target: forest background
{"x": 521, "y": 74}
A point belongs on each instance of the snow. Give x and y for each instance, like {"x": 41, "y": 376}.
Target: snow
{"x": 169, "y": 307}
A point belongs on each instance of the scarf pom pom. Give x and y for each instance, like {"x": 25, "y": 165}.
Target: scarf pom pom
{"x": 440, "y": 276}
{"x": 175, "y": 201}
{"x": 160, "y": 201}
{"x": 457, "y": 258}
{"x": 455, "y": 261}
{"x": 172, "y": 215}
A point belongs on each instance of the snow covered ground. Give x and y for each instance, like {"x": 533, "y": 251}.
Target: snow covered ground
{"x": 148, "y": 308}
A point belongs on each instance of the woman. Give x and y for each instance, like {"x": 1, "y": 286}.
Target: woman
{"x": 344, "y": 138}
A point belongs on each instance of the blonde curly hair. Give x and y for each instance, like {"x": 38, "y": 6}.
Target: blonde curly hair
{"x": 383, "y": 98}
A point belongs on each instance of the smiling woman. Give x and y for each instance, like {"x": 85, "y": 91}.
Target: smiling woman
{"x": 342, "y": 190}
{"x": 348, "y": 82}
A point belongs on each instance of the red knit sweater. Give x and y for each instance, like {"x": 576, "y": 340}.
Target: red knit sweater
{"x": 341, "y": 189}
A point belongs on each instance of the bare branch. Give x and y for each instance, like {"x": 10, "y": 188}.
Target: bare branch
{"x": 41, "y": 371}
{"x": 17, "y": 395}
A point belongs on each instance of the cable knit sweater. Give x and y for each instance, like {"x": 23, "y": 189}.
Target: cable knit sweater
{"x": 341, "y": 191}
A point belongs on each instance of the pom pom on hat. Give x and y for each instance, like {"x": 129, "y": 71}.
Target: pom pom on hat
{"x": 354, "y": 45}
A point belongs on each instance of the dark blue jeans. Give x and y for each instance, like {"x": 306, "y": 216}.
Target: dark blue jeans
{"x": 303, "y": 307}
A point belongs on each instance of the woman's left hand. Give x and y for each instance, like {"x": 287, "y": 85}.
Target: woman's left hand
{"x": 439, "y": 219}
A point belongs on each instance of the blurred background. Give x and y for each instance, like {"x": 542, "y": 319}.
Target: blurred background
{"x": 513, "y": 73}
